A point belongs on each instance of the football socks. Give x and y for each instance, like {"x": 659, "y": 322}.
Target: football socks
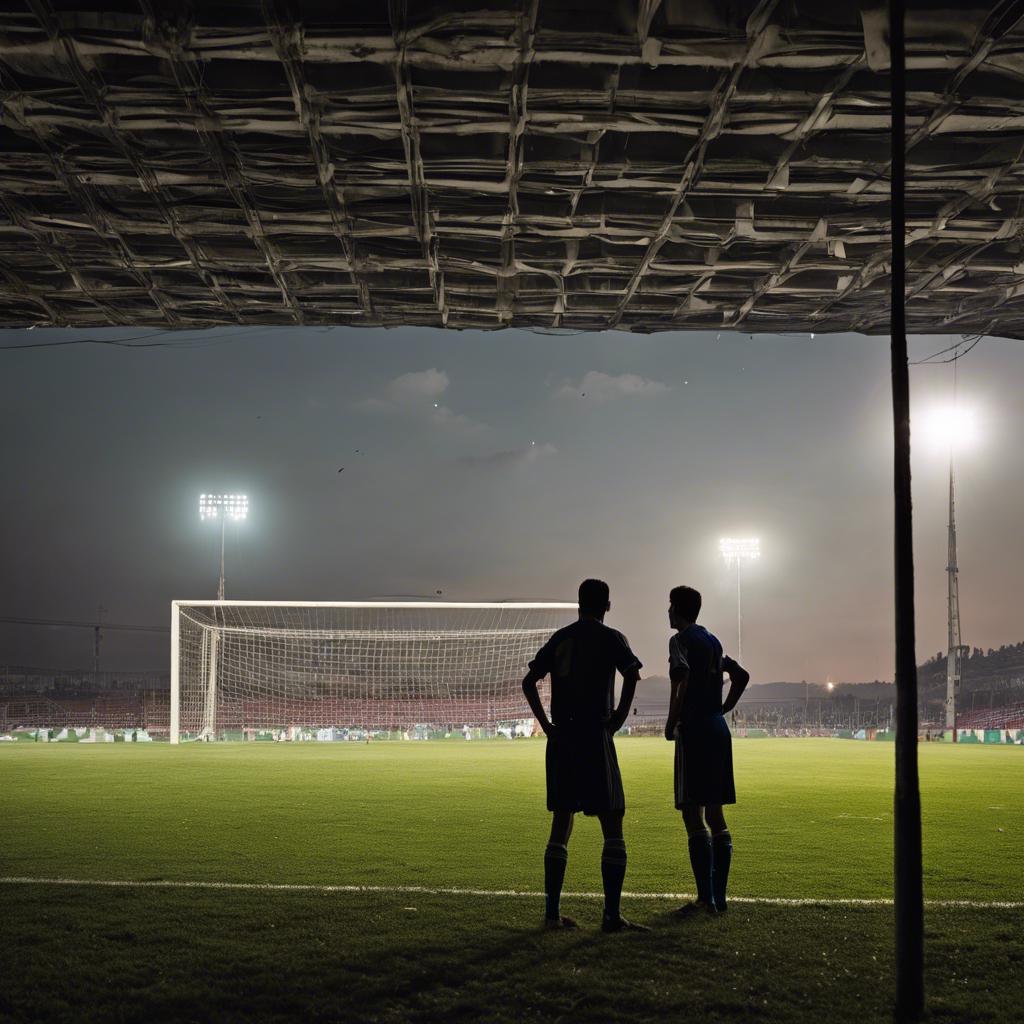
{"x": 613, "y": 871}
{"x": 700, "y": 860}
{"x": 721, "y": 858}
{"x": 556, "y": 857}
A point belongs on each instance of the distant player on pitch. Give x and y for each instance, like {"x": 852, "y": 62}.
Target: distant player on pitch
{"x": 703, "y": 769}
{"x": 582, "y": 769}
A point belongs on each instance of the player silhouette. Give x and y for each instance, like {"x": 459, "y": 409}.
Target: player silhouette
{"x": 703, "y": 755}
{"x": 582, "y": 769}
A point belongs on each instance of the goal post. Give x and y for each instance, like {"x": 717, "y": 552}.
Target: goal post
{"x": 247, "y": 667}
{"x": 175, "y": 672}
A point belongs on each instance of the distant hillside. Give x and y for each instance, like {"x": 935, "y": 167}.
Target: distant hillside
{"x": 988, "y": 671}
{"x": 983, "y": 671}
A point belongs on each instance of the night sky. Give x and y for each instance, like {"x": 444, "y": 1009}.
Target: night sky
{"x": 502, "y": 465}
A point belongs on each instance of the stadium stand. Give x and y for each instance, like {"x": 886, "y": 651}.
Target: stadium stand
{"x": 1009, "y": 716}
{"x": 992, "y": 698}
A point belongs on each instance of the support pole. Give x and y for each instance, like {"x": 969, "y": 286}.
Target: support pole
{"x": 220, "y": 582}
{"x": 909, "y": 893}
{"x": 954, "y": 651}
{"x": 209, "y": 728}
{"x": 739, "y": 612}
{"x": 175, "y": 673}
{"x": 731, "y": 716}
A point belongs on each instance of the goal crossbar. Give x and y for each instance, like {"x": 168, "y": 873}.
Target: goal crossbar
{"x": 514, "y": 605}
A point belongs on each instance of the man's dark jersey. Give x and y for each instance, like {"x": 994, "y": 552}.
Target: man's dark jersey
{"x": 699, "y": 651}
{"x": 581, "y": 659}
{"x": 703, "y": 761}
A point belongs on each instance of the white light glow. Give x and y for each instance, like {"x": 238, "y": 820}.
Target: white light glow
{"x": 230, "y": 506}
{"x": 948, "y": 428}
{"x": 739, "y": 549}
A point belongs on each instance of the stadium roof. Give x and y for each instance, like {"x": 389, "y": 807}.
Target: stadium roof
{"x": 650, "y": 165}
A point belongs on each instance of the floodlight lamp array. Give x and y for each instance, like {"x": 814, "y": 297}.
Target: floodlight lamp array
{"x": 949, "y": 428}
{"x": 230, "y": 506}
{"x": 740, "y": 549}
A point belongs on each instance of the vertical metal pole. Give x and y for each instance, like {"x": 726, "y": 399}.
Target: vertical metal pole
{"x": 909, "y": 895}
{"x": 954, "y": 652}
{"x": 175, "y": 672}
{"x": 209, "y": 727}
{"x": 97, "y": 639}
{"x": 739, "y": 614}
{"x": 731, "y": 716}
{"x": 220, "y": 583}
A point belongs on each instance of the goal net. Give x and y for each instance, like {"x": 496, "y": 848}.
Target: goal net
{"x": 239, "y": 668}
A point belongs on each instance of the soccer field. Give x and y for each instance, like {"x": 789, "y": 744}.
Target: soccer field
{"x": 813, "y": 823}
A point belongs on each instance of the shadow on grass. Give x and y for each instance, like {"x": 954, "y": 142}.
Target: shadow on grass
{"x": 77, "y": 955}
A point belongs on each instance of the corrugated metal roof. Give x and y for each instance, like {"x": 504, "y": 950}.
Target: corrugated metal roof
{"x": 674, "y": 165}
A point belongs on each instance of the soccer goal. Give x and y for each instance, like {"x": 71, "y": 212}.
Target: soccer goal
{"x": 249, "y": 668}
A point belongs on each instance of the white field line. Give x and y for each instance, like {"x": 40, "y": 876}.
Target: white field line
{"x": 425, "y": 890}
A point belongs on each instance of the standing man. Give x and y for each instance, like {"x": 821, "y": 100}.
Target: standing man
{"x": 703, "y": 768}
{"x": 582, "y": 769}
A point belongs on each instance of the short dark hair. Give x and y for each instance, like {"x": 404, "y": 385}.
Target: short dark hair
{"x": 686, "y": 601}
{"x": 594, "y": 596}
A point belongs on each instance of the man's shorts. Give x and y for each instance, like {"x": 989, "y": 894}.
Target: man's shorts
{"x": 583, "y": 771}
{"x": 703, "y": 772}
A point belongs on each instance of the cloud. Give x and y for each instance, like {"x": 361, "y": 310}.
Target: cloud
{"x": 418, "y": 393}
{"x": 602, "y": 387}
{"x": 419, "y": 389}
{"x": 509, "y": 457}
{"x": 419, "y": 385}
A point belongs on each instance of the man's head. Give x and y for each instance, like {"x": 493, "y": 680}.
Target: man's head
{"x": 684, "y": 606}
{"x": 594, "y": 598}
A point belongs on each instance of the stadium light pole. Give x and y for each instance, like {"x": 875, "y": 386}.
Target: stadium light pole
{"x": 952, "y": 428}
{"x": 954, "y": 650}
{"x": 223, "y": 507}
{"x": 739, "y": 550}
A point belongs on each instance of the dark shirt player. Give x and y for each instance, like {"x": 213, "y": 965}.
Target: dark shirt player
{"x": 703, "y": 754}
{"x": 581, "y": 766}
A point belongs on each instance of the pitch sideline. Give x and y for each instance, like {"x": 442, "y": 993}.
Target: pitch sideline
{"x": 424, "y": 890}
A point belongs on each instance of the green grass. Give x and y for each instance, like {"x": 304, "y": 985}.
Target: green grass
{"x": 814, "y": 821}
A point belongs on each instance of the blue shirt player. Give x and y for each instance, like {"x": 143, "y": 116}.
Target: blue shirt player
{"x": 703, "y": 755}
{"x": 581, "y": 766}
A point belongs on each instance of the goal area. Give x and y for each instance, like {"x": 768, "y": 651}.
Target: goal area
{"x": 243, "y": 669}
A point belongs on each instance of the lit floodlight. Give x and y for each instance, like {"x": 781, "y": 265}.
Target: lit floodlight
{"x": 223, "y": 507}
{"x": 739, "y": 549}
{"x": 228, "y": 506}
{"x": 949, "y": 428}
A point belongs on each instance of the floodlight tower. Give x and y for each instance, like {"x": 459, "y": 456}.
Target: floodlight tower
{"x": 223, "y": 507}
{"x": 953, "y": 428}
{"x": 739, "y": 550}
